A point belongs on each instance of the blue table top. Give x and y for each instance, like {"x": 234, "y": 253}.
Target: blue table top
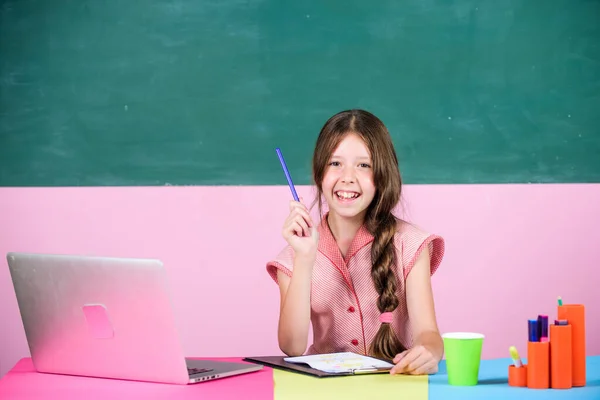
{"x": 493, "y": 384}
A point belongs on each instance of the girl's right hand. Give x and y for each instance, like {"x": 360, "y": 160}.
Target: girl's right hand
{"x": 300, "y": 232}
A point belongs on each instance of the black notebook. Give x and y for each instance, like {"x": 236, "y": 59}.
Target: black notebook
{"x": 325, "y": 365}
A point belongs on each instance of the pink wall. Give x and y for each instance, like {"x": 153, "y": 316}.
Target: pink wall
{"x": 216, "y": 240}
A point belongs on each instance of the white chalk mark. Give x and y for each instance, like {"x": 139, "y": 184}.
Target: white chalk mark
{"x": 126, "y": 108}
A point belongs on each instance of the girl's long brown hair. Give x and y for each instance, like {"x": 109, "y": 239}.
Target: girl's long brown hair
{"x": 379, "y": 219}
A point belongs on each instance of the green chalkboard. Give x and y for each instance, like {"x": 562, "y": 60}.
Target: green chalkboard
{"x": 200, "y": 92}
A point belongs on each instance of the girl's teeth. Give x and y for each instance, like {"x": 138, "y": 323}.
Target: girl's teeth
{"x": 347, "y": 195}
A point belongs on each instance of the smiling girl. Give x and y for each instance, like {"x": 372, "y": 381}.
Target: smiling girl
{"x": 361, "y": 275}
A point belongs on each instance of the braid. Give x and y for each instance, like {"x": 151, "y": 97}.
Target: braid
{"x": 383, "y": 256}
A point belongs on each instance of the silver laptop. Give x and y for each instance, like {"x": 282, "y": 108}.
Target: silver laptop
{"x": 105, "y": 317}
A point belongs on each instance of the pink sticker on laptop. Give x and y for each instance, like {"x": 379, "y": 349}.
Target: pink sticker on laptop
{"x": 97, "y": 321}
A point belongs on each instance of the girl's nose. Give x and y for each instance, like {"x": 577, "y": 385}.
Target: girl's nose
{"x": 348, "y": 175}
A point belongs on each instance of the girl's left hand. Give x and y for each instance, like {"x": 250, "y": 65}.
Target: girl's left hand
{"x": 415, "y": 361}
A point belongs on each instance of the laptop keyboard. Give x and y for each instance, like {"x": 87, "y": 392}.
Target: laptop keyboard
{"x": 192, "y": 371}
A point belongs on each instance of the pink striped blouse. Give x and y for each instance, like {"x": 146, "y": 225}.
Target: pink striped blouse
{"x": 344, "y": 311}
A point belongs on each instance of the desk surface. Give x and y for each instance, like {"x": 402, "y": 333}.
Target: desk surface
{"x": 23, "y": 382}
{"x": 493, "y": 384}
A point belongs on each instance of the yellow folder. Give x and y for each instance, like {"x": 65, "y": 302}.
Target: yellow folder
{"x": 295, "y": 386}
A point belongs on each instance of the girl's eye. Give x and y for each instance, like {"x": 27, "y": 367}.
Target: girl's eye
{"x": 335, "y": 163}
{"x": 364, "y": 165}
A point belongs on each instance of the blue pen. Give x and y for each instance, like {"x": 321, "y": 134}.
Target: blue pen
{"x": 287, "y": 174}
{"x": 533, "y": 330}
